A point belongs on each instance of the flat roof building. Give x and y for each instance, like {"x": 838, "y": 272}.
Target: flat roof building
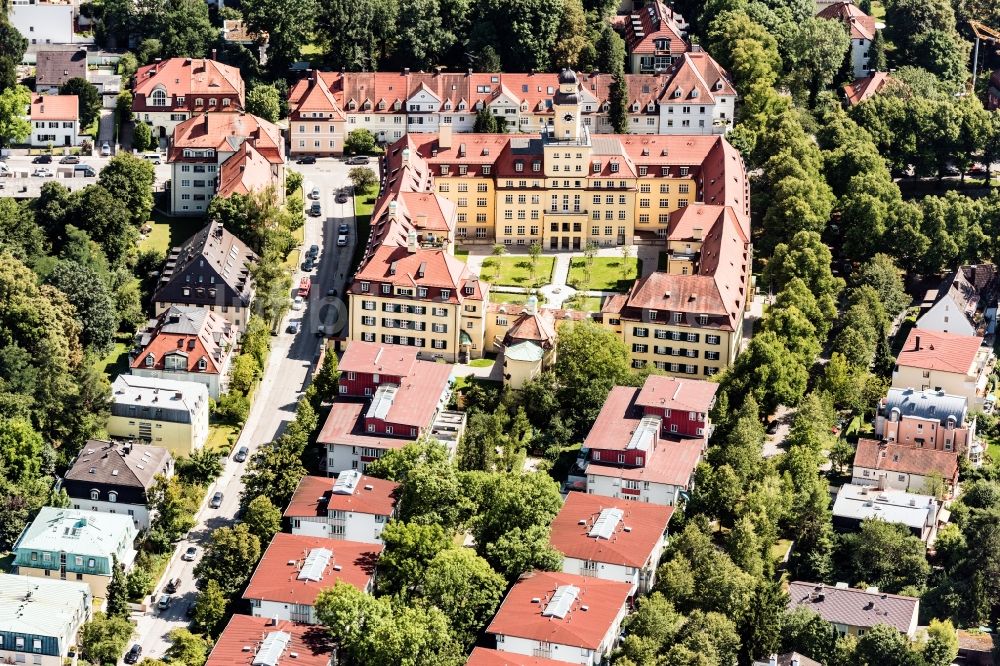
{"x": 856, "y": 504}
{"x": 41, "y": 618}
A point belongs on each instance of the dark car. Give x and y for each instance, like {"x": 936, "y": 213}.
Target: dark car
{"x": 308, "y": 265}
{"x": 171, "y": 585}
{"x": 293, "y": 327}
{"x": 216, "y": 500}
{"x": 341, "y": 198}
{"x": 132, "y": 656}
{"x": 315, "y": 210}
{"x": 359, "y": 159}
{"x": 70, "y": 159}
{"x": 343, "y": 229}
{"x": 242, "y": 454}
{"x": 306, "y": 159}
{"x": 313, "y": 251}
{"x": 42, "y": 159}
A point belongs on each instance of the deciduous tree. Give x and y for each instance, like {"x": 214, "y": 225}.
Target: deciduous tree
{"x": 229, "y": 558}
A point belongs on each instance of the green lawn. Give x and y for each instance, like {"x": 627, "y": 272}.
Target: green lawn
{"x": 218, "y": 437}
{"x": 605, "y": 274}
{"x": 516, "y": 299}
{"x": 482, "y": 362}
{"x": 169, "y": 232}
{"x": 115, "y": 363}
{"x": 516, "y": 271}
{"x": 462, "y": 254}
{"x": 583, "y": 303}
{"x": 779, "y": 549}
{"x": 364, "y": 203}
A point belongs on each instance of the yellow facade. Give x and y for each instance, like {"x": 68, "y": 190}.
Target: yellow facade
{"x": 475, "y": 205}
{"x": 181, "y": 439}
{"x": 98, "y": 584}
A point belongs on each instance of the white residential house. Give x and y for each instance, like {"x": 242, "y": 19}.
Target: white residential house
{"x": 860, "y": 27}
{"x": 352, "y": 507}
{"x": 43, "y": 22}
{"x": 55, "y": 120}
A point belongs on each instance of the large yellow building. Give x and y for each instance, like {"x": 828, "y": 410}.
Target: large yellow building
{"x": 163, "y": 412}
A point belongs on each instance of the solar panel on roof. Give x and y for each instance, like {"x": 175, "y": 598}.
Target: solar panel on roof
{"x": 606, "y": 523}
{"x": 561, "y": 601}
{"x": 346, "y": 482}
{"x": 270, "y": 650}
{"x": 315, "y": 564}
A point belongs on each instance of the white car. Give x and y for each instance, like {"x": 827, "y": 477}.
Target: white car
{"x": 341, "y": 240}
{"x": 106, "y": 149}
{"x": 298, "y": 303}
{"x": 42, "y": 172}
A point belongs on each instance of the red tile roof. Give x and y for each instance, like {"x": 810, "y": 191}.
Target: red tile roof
{"x": 905, "y": 459}
{"x": 194, "y": 334}
{"x": 374, "y": 358}
{"x": 655, "y": 21}
{"x": 312, "y": 645}
{"x": 223, "y": 132}
{"x": 696, "y": 78}
{"x": 487, "y": 657}
{"x": 646, "y": 525}
{"x": 946, "y": 352}
{"x": 275, "y": 579}
{"x": 346, "y": 425}
{"x": 55, "y": 107}
{"x": 860, "y": 25}
{"x": 187, "y": 77}
{"x": 519, "y": 616}
{"x": 617, "y": 420}
{"x": 672, "y": 463}
{"x": 865, "y": 88}
{"x": 314, "y": 497}
{"x": 313, "y": 95}
{"x": 686, "y": 395}
{"x": 536, "y": 327}
{"x": 246, "y": 171}
{"x": 398, "y": 266}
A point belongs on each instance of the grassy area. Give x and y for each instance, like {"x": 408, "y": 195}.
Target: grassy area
{"x": 583, "y": 303}
{"x": 516, "y": 271}
{"x": 218, "y": 437}
{"x": 168, "y": 232}
{"x": 311, "y": 49}
{"x": 780, "y": 549}
{"x": 364, "y": 203}
{"x": 606, "y": 274}
{"x": 116, "y": 361}
{"x": 462, "y": 254}
{"x": 482, "y": 362}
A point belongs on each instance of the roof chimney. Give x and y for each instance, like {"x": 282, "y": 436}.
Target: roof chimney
{"x": 917, "y": 340}
{"x": 444, "y": 137}
{"x": 411, "y": 241}
{"x": 215, "y": 54}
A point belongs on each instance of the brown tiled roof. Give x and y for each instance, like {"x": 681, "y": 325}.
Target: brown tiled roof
{"x": 655, "y": 21}
{"x": 311, "y": 645}
{"x": 56, "y": 66}
{"x": 630, "y": 547}
{"x": 245, "y": 171}
{"x": 520, "y": 616}
{"x": 314, "y": 497}
{"x": 224, "y": 132}
{"x": 905, "y": 459}
{"x": 486, "y": 657}
{"x": 855, "y": 608}
{"x": 55, "y": 107}
{"x": 189, "y": 76}
{"x": 535, "y": 327}
{"x": 195, "y": 333}
{"x": 108, "y": 462}
{"x": 860, "y": 25}
{"x": 398, "y": 266}
{"x": 276, "y": 577}
{"x": 687, "y": 395}
{"x": 865, "y": 88}
{"x": 698, "y": 78}
{"x": 789, "y": 659}
{"x": 946, "y": 352}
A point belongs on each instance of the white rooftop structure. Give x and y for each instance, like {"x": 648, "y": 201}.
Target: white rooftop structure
{"x": 606, "y": 523}
{"x": 644, "y": 434}
{"x": 164, "y": 393}
{"x": 382, "y": 401}
{"x": 35, "y": 606}
{"x": 80, "y": 532}
{"x": 271, "y": 649}
{"x": 315, "y": 564}
{"x": 346, "y": 482}
{"x": 561, "y": 601}
{"x": 917, "y": 512}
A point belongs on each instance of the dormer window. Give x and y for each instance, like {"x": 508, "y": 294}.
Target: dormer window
{"x": 112, "y": 496}
{"x": 597, "y": 167}
{"x": 519, "y": 166}
{"x": 199, "y": 101}
{"x": 368, "y": 105}
{"x": 614, "y": 167}
{"x": 678, "y": 92}
{"x": 364, "y": 286}
{"x": 95, "y": 495}
{"x": 694, "y": 93}
{"x": 635, "y": 107}
{"x": 352, "y": 105}
{"x": 202, "y": 364}
{"x": 158, "y": 98}
{"x": 381, "y": 106}
{"x": 212, "y": 101}
{"x": 461, "y": 106}
{"x": 446, "y": 293}
{"x": 386, "y": 288}
{"x": 150, "y": 360}
{"x": 469, "y": 291}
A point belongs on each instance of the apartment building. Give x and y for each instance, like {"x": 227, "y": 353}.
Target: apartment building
{"x": 611, "y": 539}
{"x": 168, "y": 92}
{"x": 269, "y": 641}
{"x": 964, "y": 303}
{"x": 220, "y": 154}
{"x": 852, "y": 612}
{"x": 564, "y": 617}
{"x": 211, "y": 272}
{"x": 690, "y": 94}
{"x": 918, "y": 512}
{"x": 925, "y": 419}
{"x": 295, "y": 568}
{"x": 688, "y": 320}
{"x": 903, "y": 467}
{"x": 955, "y": 364}
{"x": 654, "y": 38}
{"x": 387, "y": 398}
{"x": 350, "y": 508}
{"x": 163, "y": 412}
{"x": 42, "y": 22}
{"x": 55, "y": 120}
{"x": 40, "y": 619}
{"x": 72, "y": 544}
{"x": 860, "y": 27}
{"x": 647, "y": 442}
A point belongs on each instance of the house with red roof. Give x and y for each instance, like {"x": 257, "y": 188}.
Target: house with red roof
{"x": 295, "y": 568}
{"x": 611, "y": 539}
{"x": 351, "y": 507}
{"x": 55, "y": 120}
{"x": 489, "y": 657}
{"x": 646, "y": 442}
{"x": 959, "y": 365}
{"x": 186, "y": 343}
{"x": 866, "y": 87}
{"x": 219, "y": 154}
{"x": 653, "y": 38}
{"x": 860, "y": 27}
{"x": 169, "y": 92}
{"x": 387, "y": 398}
{"x": 260, "y": 641}
{"x": 563, "y": 617}
{"x": 906, "y": 467}
{"x": 698, "y": 98}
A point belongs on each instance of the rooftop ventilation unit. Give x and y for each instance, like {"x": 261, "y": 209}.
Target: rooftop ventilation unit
{"x": 346, "y": 482}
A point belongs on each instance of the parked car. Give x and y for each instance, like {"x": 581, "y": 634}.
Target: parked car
{"x": 313, "y": 251}
{"x": 316, "y": 209}
{"x": 132, "y": 656}
{"x": 216, "y": 501}
{"x": 164, "y": 602}
{"x": 42, "y": 159}
{"x": 343, "y": 228}
{"x": 106, "y": 149}
{"x": 293, "y": 327}
{"x": 4, "y": 168}
{"x": 241, "y": 454}
{"x": 172, "y": 585}
{"x": 42, "y": 172}
{"x": 190, "y": 554}
{"x": 359, "y": 159}
{"x": 331, "y": 293}
{"x": 298, "y": 303}
{"x": 314, "y": 193}
{"x": 306, "y": 159}
{"x": 152, "y": 157}
{"x": 341, "y": 198}
{"x": 308, "y": 265}
{"x": 70, "y": 159}
{"x": 85, "y": 170}
{"x": 341, "y": 240}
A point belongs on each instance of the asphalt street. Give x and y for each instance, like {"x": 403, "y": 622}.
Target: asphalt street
{"x": 285, "y": 378}
{"x": 22, "y": 185}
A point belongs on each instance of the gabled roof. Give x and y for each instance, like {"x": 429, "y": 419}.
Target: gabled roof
{"x": 486, "y": 657}
{"x": 696, "y": 78}
{"x": 211, "y": 254}
{"x": 945, "y": 352}
{"x": 189, "y": 76}
{"x": 245, "y": 171}
{"x": 398, "y": 266}
{"x": 855, "y": 608}
{"x": 282, "y": 575}
{"x": 223, "y": 132}
{"x": 686, "y": 395}
{"x": 245, "y": 637}
{"x": 132, "y": 465}
{"x": 865, "y": 88}
{"x": 375, "y": 358}
{"x": 652, "y": 22}
{"x": 905, "y": 459}
{"x": 860, "y": 25}
{"x": 192, "y": 333}
{"x": 56, "y": 66}
{"x": 632, "y": 539}
{"x": 314, "y": 496}
{"x": 55, "y": 107}
{"x": 521, "y": 616}
{"x": 313, "y": 95}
